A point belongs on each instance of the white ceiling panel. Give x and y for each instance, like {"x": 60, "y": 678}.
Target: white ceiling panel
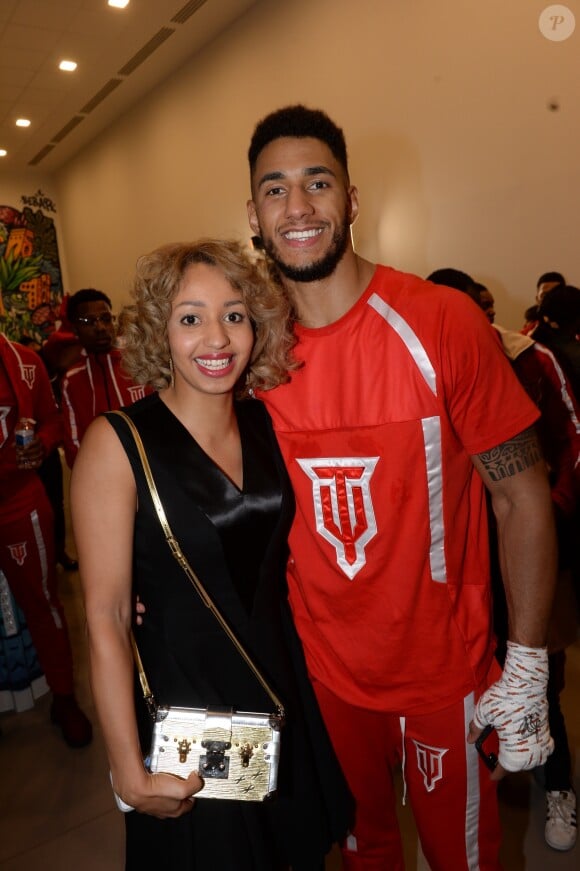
{"x": 49, "y": 13}
{"x": 12, "y": 83}
{"x": 21, "y": 38}
{"x": 36, "y": 34}
{"x": 22, "y": 58}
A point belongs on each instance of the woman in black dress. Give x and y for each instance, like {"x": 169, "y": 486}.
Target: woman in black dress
{"x": 205, "y": 329}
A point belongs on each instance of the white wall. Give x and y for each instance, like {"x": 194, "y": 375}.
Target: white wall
{"x": 444, "y": 103}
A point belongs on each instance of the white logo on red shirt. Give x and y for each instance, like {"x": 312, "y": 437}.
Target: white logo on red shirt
{"x": 4, "y": 412}
{"x": 343, "y": 506}
{"x": 28, "y": 374}
{"x": 430, "y": 764}
{"x": 137, "y": 392}
{"x": 18, "y": 552}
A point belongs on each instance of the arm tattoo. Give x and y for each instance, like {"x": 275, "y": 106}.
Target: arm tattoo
{"x": 513, "y": 456}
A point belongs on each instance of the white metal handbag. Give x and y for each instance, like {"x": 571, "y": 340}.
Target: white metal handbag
{"x": 235, "y": 752}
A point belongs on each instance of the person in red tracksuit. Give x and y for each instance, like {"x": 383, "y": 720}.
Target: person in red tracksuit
{"x": 403, "y": 411}
{"x": 27, "y": 550}
{"x": 95, "y": 383}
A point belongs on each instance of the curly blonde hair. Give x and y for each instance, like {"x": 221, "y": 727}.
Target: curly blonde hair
{"x": 143, "y": 325}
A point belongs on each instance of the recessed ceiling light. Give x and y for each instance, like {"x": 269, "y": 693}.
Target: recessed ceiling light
{"x": 118, "y": 4}
{"x": 22, "y": 122}
{"x": 68, "y": 66}
{"x": 3, "y": 152}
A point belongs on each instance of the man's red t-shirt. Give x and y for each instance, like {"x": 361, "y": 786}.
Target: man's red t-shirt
{"x": 389, "y": 569}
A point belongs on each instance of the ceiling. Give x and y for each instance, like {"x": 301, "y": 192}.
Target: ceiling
{"x": 122, "y": 54}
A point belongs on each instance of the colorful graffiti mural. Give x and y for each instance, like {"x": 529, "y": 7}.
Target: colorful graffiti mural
{"x": 30, "y": 275}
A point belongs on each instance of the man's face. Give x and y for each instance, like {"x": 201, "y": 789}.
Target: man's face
{"x": 95, "y": 326}
{"x": 487, "y": 303}
{"x": 302, "y": 206}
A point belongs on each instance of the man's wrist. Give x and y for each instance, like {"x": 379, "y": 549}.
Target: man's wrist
{"x": 526, "y": 648}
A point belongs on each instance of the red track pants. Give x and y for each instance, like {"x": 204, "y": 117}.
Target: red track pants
{"x": 454, "y": 801}
{"x": 27, "y": 559}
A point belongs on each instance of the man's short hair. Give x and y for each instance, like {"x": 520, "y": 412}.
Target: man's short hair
{"x": 87, "y": 294}
{"x": 301, "y": 123}
{"x": 551, "y": 277}
{"x": 561, "y": 305}
{"x": 457, "y": 279}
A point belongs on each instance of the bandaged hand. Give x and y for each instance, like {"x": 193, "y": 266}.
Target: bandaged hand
{"x": 517, "y": 707}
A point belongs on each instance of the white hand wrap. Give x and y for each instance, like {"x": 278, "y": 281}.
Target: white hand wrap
{"x": 517, "y": 707}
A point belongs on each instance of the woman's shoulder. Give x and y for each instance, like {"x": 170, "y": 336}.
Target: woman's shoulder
{"x": 101, "y": 453}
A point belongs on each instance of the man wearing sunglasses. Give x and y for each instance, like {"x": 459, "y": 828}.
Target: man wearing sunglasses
{"x": 96, "y": 383}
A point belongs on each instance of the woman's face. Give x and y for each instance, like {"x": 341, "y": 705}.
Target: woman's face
{"x": 209, "y": 331}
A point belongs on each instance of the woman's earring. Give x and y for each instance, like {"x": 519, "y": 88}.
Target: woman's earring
{"x": 171, "y": 373}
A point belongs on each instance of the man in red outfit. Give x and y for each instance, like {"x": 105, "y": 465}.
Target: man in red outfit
{"x": 95, "y": 383}
{"x": 27, "y": 550}
{"x": 404, "y": 409}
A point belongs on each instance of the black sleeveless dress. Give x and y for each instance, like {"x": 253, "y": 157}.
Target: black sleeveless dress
{"x": 235, "y": 541}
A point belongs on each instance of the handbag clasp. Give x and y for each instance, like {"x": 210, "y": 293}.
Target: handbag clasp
{"x": 215, "y": 763}
{"x": 183, "y": 748}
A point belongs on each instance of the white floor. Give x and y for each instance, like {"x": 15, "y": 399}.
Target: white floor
{"x": 57, "y": 810}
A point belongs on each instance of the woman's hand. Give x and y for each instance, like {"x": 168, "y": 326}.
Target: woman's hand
{"x": 165, "y": 796}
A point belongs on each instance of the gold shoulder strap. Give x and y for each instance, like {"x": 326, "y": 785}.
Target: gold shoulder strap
{"x": 146, "y": 689}
{"x": 200, "y": 589}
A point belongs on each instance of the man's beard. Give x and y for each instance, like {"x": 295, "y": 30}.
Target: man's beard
{"x": 320, "y": 268}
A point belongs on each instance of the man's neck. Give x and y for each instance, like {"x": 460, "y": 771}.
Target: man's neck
{"x": 320, "y": 303}
{"x": 98, "y": 355}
